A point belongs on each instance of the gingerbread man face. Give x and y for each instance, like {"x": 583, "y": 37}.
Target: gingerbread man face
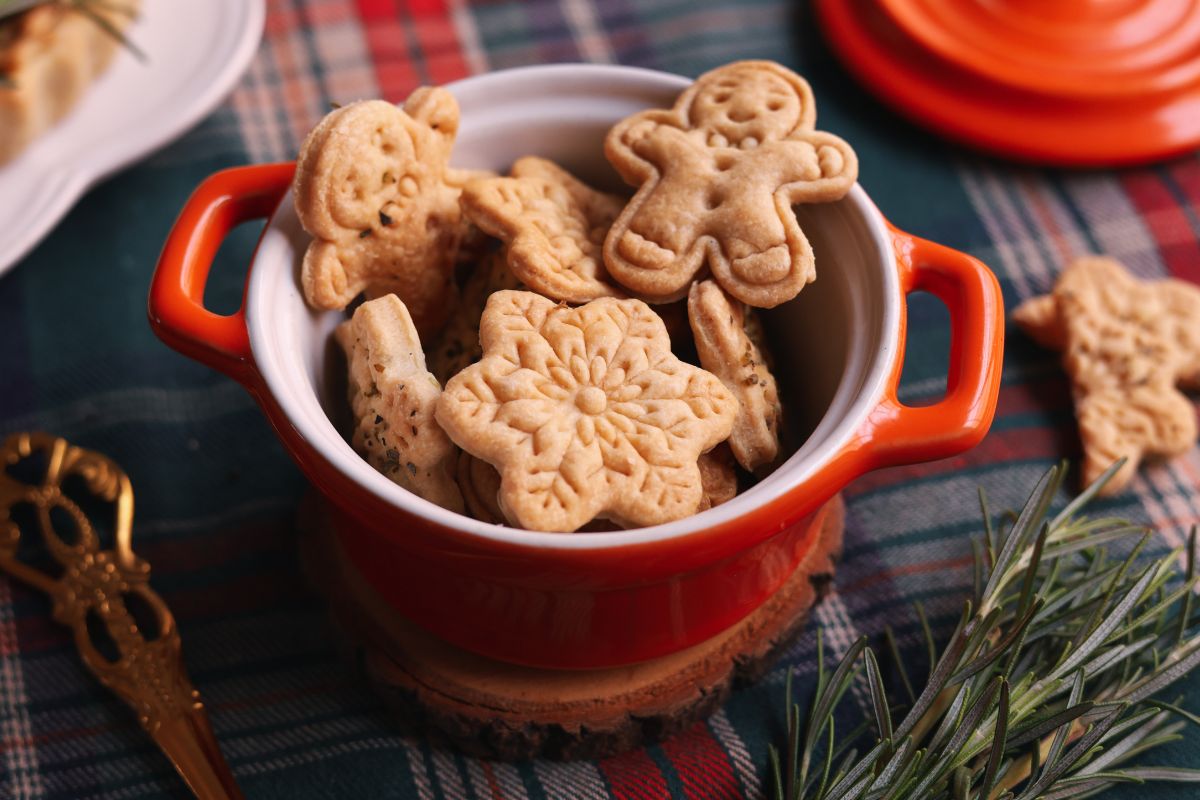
{"x": 373, "y": 187}
{"x": 717, "y": 177}
{"x": 737, "y": 107}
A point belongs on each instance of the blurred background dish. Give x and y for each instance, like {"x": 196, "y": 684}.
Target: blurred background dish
{"x": 195, "y": 52}
{"x": 1071, "y": 82}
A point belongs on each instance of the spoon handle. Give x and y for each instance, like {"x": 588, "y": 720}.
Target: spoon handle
{"x": 104, "y": 597}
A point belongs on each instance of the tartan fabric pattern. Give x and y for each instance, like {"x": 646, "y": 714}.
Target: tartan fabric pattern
{"x": 216, "y": 494}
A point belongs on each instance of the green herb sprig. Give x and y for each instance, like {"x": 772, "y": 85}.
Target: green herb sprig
{"x": 1046, "y": 689}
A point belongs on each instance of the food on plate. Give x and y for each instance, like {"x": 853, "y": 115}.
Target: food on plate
{"x": 49, "y": 56}
{"x": 1129, "y": 346}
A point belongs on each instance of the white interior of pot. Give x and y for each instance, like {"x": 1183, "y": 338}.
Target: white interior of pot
{"x": 833, "y": 345}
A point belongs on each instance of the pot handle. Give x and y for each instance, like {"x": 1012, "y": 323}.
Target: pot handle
{"x": 902, "y": 434}
{"x": 176, "y": 306}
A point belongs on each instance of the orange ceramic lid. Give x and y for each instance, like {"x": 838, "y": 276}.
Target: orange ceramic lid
{"x": 1078, "y": 82}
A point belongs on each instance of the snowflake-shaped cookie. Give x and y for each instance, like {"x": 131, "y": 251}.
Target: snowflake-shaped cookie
{"x": 586, "y": 413}
{"x": 717, "y": 176}
{"x": 373, "y": 187}
{"x": 553, "y": 224}
{"x": 1127, "y": 344}
{"x": 393, "y": 398}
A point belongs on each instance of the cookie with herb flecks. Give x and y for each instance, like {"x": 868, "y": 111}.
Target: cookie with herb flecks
{"x": 393, "y": 397}
{"x": 374, "y": 188}
{"x": 726, "y": 349}
{"x": 457, "y": 346}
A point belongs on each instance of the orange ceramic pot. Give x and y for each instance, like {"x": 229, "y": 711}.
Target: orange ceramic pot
{"x": 595, "y": 599}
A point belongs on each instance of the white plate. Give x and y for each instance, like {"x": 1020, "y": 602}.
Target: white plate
{"x": 195, "y": 52}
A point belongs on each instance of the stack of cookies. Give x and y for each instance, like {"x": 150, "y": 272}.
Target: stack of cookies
{"x": 534, "y": 352}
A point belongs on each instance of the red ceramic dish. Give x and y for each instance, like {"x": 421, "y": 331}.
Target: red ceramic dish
{"x": 592, "y": 600}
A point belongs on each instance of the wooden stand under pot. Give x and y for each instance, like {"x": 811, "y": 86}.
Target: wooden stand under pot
{"x": 495, "y": 709}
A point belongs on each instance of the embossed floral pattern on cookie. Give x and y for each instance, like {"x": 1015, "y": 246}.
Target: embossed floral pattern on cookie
{"x": 1127, "y": 344}
{"x": 717, "y": 176}
{"x": 586, "y": 413}
{"x": 553, "y": 226}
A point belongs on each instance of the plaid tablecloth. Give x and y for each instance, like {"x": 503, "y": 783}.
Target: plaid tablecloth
{"x": 216, "y": 494}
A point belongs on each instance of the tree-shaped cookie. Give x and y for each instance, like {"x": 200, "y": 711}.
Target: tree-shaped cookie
{"x": 373, "y": 187}
{"x": 1127, "y": 345}
{"x": 585, "y": 412}
{"x": 717, "y": 176}
{"x": 393, "y": 398}
{"x": 553, "y": 225}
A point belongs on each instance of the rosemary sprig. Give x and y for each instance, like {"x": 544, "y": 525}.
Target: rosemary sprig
{"x": 1045, "y": 688}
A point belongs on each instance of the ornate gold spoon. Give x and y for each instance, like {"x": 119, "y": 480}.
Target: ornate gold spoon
{"x": 147, "y": 673}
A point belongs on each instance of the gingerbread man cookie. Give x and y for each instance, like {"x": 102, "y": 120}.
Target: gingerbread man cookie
{"x": 717, "y": 176}
{"x": 1127, "y": 345}
{"x": 553, "y": 225}
{"x": 586, "y": 413}
{"x": 726, "y": 349}
{"x": 373, "y": 187}
{"x": 393, "y": 398}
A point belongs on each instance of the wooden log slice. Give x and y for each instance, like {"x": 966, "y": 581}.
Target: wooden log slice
{"x": 495, "y": 709}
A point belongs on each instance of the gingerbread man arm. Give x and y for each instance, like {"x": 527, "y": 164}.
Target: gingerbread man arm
{"x": 641, "y": 145}
{"x": 1040, "y": 320}
{"x": 826, "y": 167}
